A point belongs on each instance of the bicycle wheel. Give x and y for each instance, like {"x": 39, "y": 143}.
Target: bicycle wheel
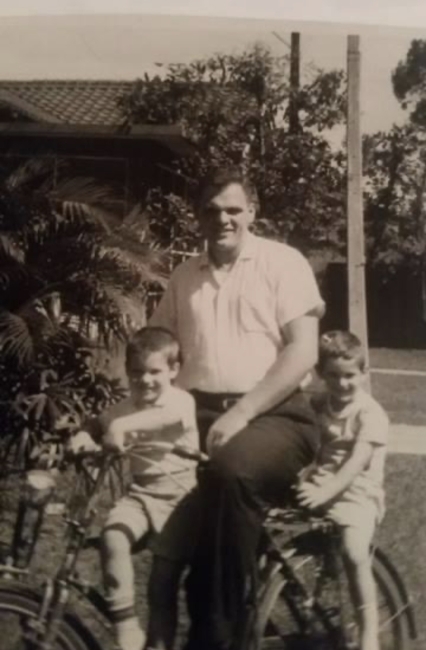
{"x": 18, "y": 610}
{"x": 279, "y": 626}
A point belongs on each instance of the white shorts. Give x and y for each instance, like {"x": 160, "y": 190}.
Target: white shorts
{"x": 165, "y": 512}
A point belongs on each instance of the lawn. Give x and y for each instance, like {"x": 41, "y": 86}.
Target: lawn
{"x": 402, "y": 535}
{"x": 398, "y": 359}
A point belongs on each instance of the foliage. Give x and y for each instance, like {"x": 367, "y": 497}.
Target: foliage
{"x": 236, "y": 109}
{"x": 409, "y": 82}
{"x": 172, "y": 222}
{"x": 395, "y": 172}
{"x": 39, "y": 408}
{"x": 71, "y": 276}
{"x": 395, "y": 169}
{"x": 65, "y": 263}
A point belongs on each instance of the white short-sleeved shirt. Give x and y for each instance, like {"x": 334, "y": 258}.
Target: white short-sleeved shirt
{"x": 231, "y": 331}
{"x": 173, "y": 400}
{"x": 362, "y": 419}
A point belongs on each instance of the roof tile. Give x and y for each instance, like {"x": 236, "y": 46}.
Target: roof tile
{"x": 72, "y": 102}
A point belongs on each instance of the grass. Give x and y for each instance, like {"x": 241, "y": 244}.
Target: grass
{"x": 398, "y": 359}
{"x": 402, "y": 535}
{"x": 402, "y": 397}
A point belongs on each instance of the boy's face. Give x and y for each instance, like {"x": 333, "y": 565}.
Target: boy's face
{"x": 149, "y": 376}
{"x": 343, "y": 378}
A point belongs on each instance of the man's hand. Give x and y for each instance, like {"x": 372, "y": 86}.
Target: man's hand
{"x": 313, "y": 496}
{"x": 82, "y": 442}
{"x": 225, "y": 428}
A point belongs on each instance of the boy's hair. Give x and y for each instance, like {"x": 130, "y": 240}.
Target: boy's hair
{"x": 219, "y": 179}
{"x": 338, "y": 344}
{"x": 153, "y": 339}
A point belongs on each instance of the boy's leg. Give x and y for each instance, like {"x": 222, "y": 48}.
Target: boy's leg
{"x": 358, "y": 560}
{"x": 126, "y": 524}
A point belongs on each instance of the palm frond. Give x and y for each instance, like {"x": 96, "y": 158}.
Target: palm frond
{"x": 82, "y": 189}
{"x": 132, "y": 308}
{"x": 28, "y": 172}
{"x": 134, "y": 258}
{"x": 77, "y": 212}
{"x": 15, "y": 337}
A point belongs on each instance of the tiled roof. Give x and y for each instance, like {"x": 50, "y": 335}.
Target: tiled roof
{"x": 66, "y": 102}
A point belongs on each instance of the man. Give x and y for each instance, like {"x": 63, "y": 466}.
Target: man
{"x": 246, "y": 316}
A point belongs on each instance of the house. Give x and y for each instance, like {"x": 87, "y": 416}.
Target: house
{"x": 80, "y": 123}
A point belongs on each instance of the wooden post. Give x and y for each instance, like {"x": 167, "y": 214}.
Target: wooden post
{"x": 294, "y": 82}
{"x": 356, "y": 255}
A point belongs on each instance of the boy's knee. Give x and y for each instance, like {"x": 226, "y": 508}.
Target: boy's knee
{"x": 356, "y": 547}
{"x": 115, "y": 540}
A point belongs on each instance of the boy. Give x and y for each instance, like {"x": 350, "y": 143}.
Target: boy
{"x": 346, "y": 483}
{"x": 158, "y": 411}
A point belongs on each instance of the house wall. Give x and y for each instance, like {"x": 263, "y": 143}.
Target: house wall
{"x": 128, "y": 167}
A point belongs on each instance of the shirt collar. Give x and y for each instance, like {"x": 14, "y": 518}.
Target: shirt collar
{"x": 350, "y": 408}
{"x": 161, "y": 399}
{"x": 247, "y": 252}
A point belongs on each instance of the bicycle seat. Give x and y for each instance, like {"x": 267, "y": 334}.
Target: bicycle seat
{"x": 294, "y": 516}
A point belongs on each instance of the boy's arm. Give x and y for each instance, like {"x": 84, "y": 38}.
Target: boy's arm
{"x": 313, "y": 496}
{"x": 141, "y": 424}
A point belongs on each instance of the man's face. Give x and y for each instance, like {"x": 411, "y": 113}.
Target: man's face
{"x": 225, "y": 218}
{"x": 149, "y": 376}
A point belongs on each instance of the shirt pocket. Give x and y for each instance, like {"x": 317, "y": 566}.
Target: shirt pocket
{"x": 254, "y": 315}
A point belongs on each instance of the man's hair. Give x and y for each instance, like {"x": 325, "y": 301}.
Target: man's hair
{"x": 217, "y": 180}
{"x": 153, "y": 339}
{"x": 339, "y": 344}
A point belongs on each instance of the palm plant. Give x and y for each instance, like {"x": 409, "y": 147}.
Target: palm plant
{"x": 67, "y": 263}
{"x": 73, "y": 276}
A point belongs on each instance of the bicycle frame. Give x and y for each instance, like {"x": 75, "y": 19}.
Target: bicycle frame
{"x": 81, "y": 510}
{"x": 307, "y": 545}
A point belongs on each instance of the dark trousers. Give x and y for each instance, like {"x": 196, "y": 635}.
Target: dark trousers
{"x": 252, "y": 472}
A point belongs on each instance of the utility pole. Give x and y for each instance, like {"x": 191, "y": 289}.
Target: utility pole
{"x": 294, "y": 82}
{"x": 356, "y": 253}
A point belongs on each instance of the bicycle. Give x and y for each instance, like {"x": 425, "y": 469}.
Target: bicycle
{"x": 302, "y": 601}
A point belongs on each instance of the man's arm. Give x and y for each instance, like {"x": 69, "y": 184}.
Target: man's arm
{"x": 292, "y": 364}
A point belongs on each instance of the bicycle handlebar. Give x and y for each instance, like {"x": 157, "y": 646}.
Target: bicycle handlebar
{"x": 177, "y": 449}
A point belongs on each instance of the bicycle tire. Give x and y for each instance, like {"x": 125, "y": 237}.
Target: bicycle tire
{"x": 395, "y": 630}
{"x": 20, "y": 606}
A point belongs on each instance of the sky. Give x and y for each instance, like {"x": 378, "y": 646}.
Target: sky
{"x": 127, "y": 45}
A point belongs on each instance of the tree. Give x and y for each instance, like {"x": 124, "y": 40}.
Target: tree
{"x": 409, "y": 82}
{"x": 395, "y": 169}
{"x": 236, "y": 109}
{"x": 395, "y": 172}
